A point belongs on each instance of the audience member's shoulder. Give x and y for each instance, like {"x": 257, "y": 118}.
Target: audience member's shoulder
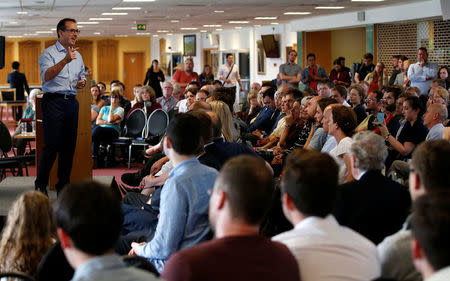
{"x": 392, "y": 244}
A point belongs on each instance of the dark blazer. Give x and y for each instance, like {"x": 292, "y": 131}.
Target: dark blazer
{"x": 374, "y": 206}
{"x": 265, "y": 120}
{"x": 19, "y": 81}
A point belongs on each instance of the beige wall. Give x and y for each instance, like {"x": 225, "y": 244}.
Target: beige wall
{"x": 349, "y": 43}
{"x": 126, "y": 44}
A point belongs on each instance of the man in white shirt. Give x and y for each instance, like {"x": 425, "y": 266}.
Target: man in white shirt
{"x": 229, "y": 74}
{"x": 430, "y": 225}
{"x": 325, "y": 251}
{"x": 422, "y": 72}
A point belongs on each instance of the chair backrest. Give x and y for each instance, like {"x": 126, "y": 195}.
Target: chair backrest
{"x": 157, "y": 123}
{"x": 136, "y": 123}
{"x": 5, "y": 138}
{"x": 8, "y": 95}
{"x": 54, "y": 265}
{"x": 16, "y": 276}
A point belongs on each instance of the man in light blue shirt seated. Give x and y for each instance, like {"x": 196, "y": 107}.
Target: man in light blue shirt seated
{"x": 422, "y": 72}
{"x": 183, "y": 218}
{"x": 88, "y": 219}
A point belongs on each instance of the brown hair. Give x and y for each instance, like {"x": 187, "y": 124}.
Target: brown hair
{"x": 345, "y": 118}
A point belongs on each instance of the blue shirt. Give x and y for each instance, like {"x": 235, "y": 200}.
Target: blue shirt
{"x": 66, "y": 80}
{"x": 417, "y": 75}
{"x": 110, "y": 268}
{"x": 117, "y": 111}
{"x": 183, "y": 218}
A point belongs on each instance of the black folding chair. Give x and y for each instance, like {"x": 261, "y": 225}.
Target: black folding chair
{"x": 16, "y": 276}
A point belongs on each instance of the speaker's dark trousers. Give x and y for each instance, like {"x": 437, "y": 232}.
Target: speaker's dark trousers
{"x": 60, "y": 120}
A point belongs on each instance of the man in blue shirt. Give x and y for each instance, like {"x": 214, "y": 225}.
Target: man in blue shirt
{"x": 62, "y": 73}
{"x": 183, "y": 218}
{"x": 422, "y": 72}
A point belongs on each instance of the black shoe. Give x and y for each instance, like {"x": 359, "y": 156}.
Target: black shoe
{"x": 131, "y": 179}
{"x": 125, "y": 189}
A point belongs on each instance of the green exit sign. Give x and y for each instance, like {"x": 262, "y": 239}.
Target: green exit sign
{"x": 141, "y": 26}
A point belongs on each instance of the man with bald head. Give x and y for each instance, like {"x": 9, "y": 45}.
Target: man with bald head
{"x": 433, "y": 119}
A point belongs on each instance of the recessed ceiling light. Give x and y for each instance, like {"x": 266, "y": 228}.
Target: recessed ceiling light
{"x": 212, "y": 25}
{"x": 156, "y": 35}
{"x": 189, "y": 28}
{"x": 114, "y": 14}
{"x": 121, "y": 35}
{"x": 80, "y": 26}
{"x": 97, "y": 33}
{"x": 329, "y": 8}
{"x": 100, "y": 18}
{"x": 219, "y": 11}
{"x": 161, "y": 31}
{"x": 53, "y": 29}
{"x": 219, "y": 29}
{"x": 43, "y": 32}
{"x": 174, "y": 21}
{"x": 238, "y": 27}
{"x": 169, "y": 34}
{"x": 13, "y": 22}
{"x": 238, "y": 21}
{"x": 138, "y": 0}
{"x": 30, "y": 34}
{"x": 126, "y": 8}
{"x": 203, "y": 31}
{"x": 297, "y": 13}
{"x": 15, "y": 36}
{"x": 143, "y": 33}
{"x": 367, "y": 0}
{"x": 274, "y": 23}
{"x": 257, "y": 25}
{"x": 265, "y": 18}
{"x": 22, "y": 13}
{"x": 88, "y": 22}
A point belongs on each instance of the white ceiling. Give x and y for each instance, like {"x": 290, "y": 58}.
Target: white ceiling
{"x": 43, "y": 15}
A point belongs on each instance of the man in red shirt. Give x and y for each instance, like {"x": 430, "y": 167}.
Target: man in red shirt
{"x": 183, "y": 77}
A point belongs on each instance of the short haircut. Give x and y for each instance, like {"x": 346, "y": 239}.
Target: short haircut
{"x": 341, "y": 90}
{"x": 195, "y": 83}
{"x": 396, "y": 56}
{"x": 217, "y": 82}
{"x": 403, "y": 57}
{"x": 189, "y": 59}
{"x": 248, "y": 184}
{"x": 369, "y": 150}
{"x": 269, "y": 93}
{"x": 310, "y": 179}
{"x": 15, "y": 65}
{"x": 290, "y": 51}
{"x": 368, "y": 56}
{"x": 326, "y": 101}
{"x": 311, "y": 55}
{"x": 229, "y": 54}
{"x": 345, "y": 118}
{"x": 360, "y": 89}
{"x": 184, "y": 134}
{"x": 269, "y": 84}
{"x": 379, "y": 95}
{"x": 203, "y": 91}
{"x": 441, "y": 110}
{"x": 95, "y": 86}
{"x": 327, "y": 82}
{"x": 413, "y": 89}
{"x": 102, "y": 84}
{"x": 428, "y": 161}
{"x": 430, "y": 226}
{"x": 423, "y": 49}
{"x": 226, "y": 95}
{"x": 397, "y": 91}
{"x": 206, "y": 124}
{"x": 62, "y": 25}
{"x": 91, "y": 216}
{"x": 296, "y": 92}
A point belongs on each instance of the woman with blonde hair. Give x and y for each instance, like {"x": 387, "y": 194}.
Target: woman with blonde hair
{"x": 146, "y": 100}
{"x": 254, "y": 108}
{"x": 223, "y": 112}
{"x": 28, "y": 233}
{"x": 377, "y": 78}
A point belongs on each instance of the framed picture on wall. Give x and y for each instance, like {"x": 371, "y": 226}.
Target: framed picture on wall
{"x": 189, "y": 45}
{"x": 261, "y": 67}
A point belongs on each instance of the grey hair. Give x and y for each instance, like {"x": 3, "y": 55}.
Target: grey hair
{"x": 33, "y": 94}
{"x": 176, "y": 88}
{"x": 441, "y": 110}
{"x": 369, "y": 150}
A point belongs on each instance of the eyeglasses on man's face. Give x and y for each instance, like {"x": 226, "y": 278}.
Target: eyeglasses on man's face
{"x": 73, "y": 31}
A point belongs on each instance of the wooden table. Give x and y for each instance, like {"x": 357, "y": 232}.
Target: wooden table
{"x": 31, "y": 136}
{"x": 8, "y": 105}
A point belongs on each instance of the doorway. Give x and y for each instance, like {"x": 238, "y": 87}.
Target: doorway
{"x": 133, "y": 72}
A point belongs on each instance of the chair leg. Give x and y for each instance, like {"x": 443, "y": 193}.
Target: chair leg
{"x": 129, "y": 155}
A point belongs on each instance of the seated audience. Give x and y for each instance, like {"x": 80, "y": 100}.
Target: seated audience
{"x": 137, "y": 94}
{"x": 255, "y": 86}
{"x": 86, "y": 239}
{"x": 324, "y": 88}
{"x": 357, "y": 97}
{"x": 201, "y": 95}
{"x": 324, "y": 249}
{"x": 254, "y": 108}
{"x": 217, "y": 84}
{"x": 374, "y": 103}
{"x": 318, "y": 137}
{"x": 412, "y": 133}
{"x": 433, "y": 119}
{"x": 226, "y": 119}
{"x": 240, "y": 198}
{"x": 183, "y": 105}
{"x": 373, "y": 205}
{"x": 184, "y": 199}
{"x": 341, "y": 125}
{"x": 430, "y": 225}
{"x": 266, "y": 118}
{"x": 146, "y": 100}
{"x": 167, "y": 101}
{"x": 177, "y": 92}
{"x": 108, "y": 124}
{"x": 389, "y": 108}
{"x": 340, "y": 75}
{"x": 427, "y": 174}
{"x": 339, "y": 93}
{"x": 28, "y": 233}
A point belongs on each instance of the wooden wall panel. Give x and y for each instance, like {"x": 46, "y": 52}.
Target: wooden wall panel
{"x": 133, "y": 72}
{"x": 107, "y": 60}
{"x": 49, "y": 43}
{"x": 8, "y": 61}
{"x": 86, "y": 51}
{"x": 319, "y": 43}
{"x": 29, "y": 52}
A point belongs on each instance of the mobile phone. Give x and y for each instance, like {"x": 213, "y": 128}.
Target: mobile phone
{"x": 380, "y": 117}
